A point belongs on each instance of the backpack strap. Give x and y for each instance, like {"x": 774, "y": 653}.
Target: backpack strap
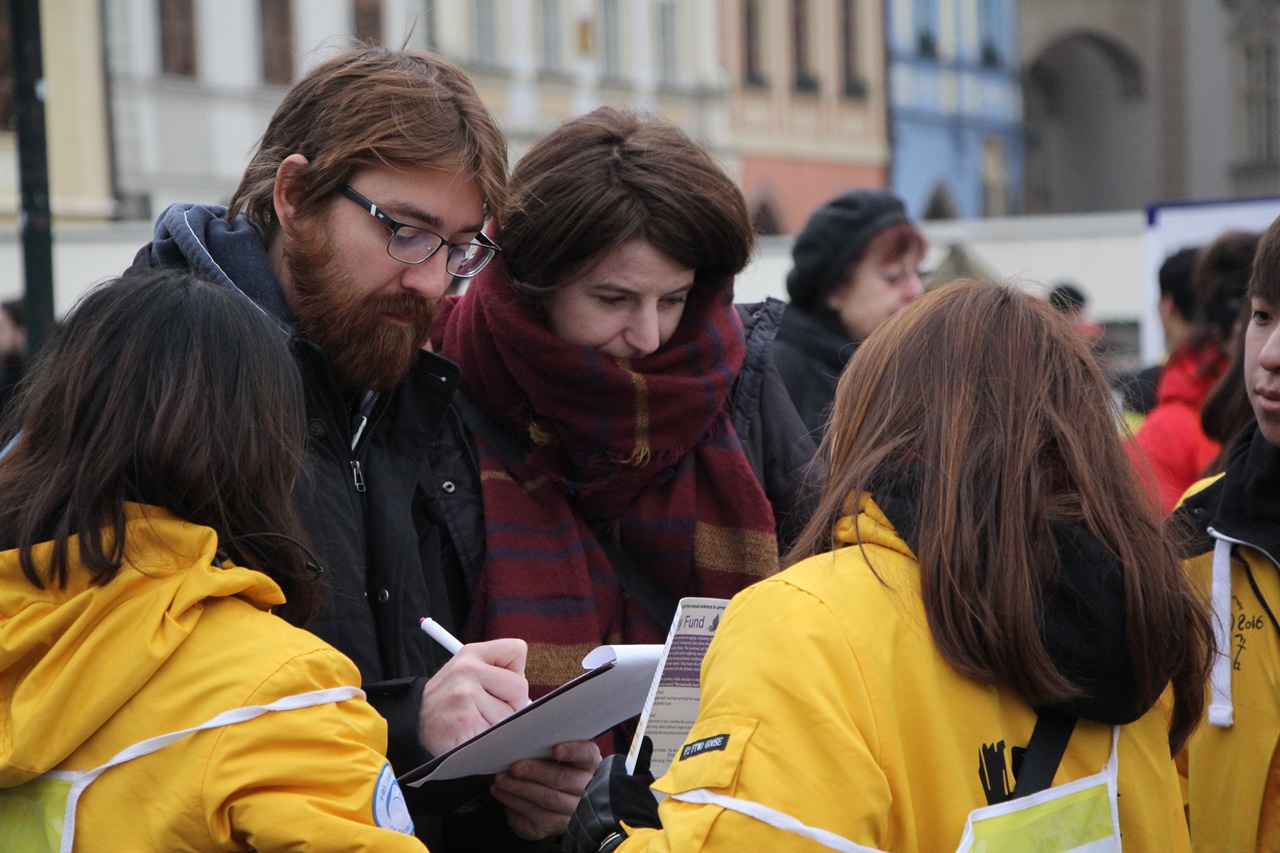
{"x": 1044, "y": 752}
{"x": 634, "y": 580}
{"x": 479, "y": 422}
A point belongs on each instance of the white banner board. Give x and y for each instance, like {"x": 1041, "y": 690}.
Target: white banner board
{"x": 1171, "y": 227}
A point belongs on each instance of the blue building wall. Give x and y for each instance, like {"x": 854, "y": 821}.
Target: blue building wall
{"x": 955, "y": 99}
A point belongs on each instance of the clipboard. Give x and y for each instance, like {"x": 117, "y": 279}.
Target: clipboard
{"x": 613, "y": 690}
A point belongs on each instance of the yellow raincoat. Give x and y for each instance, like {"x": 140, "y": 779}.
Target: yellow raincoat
{"x": 825, "y": 701}
{"x": 1232, "y": 761}
{"x": 169, "y": 644}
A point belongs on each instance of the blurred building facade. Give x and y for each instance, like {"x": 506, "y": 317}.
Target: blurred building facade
{"x": 538, "y": 62}
{"x": 76, "y": 120}
{"x": 807, "y": 102}
{"x": 955, "y": 107}
{"x": 968, "y": 108}
{"x": 187, "y": 86}
{"x": 788, "y": 94}
{"x": 1134, "y": 102}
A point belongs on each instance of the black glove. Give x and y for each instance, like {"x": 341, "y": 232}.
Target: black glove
{"x": 611, "y": 798}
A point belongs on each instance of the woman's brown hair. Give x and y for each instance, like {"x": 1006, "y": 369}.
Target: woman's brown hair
{"x": 161, "y": 389}
{"x": 995, "y": 399}
{"x": 612, "y": 176}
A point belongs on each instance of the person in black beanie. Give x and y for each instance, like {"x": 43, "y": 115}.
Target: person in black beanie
{"x": 855, "y": 265}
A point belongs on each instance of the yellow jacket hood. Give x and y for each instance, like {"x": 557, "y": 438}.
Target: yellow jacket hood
{"x": 59, "y": 646}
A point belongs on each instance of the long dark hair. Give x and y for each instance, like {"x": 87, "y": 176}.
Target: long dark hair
{"x": 995, "y": 398}
{"x": 1226, "y": 409}
{"x": 1220, "y": 280}
{"x": 162, "y": 389}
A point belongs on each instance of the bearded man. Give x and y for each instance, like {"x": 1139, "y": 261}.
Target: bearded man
{"x": 366, "y": 197}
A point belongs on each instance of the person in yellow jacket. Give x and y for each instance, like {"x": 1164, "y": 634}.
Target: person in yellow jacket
{"x": 1232, "y": 527}
{"x": 973, "y": 646}
{"x": 149, "y": 698}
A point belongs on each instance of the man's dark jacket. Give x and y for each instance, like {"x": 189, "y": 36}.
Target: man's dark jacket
{"x": 394, "y": 520}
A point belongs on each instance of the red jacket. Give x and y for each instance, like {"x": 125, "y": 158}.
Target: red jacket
{"x": 1170, "y": 451}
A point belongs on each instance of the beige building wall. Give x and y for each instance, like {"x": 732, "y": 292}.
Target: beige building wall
{"x": 653, "y": 55}
{"x": 1134, "y": 102}
{"x": 1130, "y": 22}
{"x": 800, "y": 146}
{"x": 75, "y": 119}
{"x": 187, "y": 137}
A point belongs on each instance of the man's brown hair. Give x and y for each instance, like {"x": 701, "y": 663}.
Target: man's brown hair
{"x": 369, "y": 108}
{"x": 991, "y": 395}
{"x": 612, "y": 176}
{"x": 1264, "y": 282}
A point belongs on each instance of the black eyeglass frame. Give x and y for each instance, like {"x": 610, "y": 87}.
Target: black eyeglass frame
{"x": 395, "y": 226}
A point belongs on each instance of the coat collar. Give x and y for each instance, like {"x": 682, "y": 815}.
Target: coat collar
{"x": 1244, "y": 503}
{"x": 1084, "y": 602}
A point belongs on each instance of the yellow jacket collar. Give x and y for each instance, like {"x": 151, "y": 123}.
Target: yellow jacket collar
{"x": 55, "y": 641}
{"x": 869, "y": 525}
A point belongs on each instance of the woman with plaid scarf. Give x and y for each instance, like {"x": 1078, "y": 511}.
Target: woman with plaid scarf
{"x": 635, "y": 443}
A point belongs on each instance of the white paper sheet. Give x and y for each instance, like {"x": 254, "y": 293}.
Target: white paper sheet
{"x": 612, "y": 691}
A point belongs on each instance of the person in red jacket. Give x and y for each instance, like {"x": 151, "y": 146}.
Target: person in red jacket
{"x": 1171, "y": 450}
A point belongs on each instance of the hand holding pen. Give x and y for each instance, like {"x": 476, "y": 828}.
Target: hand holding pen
{"x": 540, "y": 795}
{"x": 481, "y": 684}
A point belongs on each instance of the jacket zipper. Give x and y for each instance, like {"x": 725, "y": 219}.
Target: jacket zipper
{"x": 1253, "y": 583}
{"x": 357, "y": 469}
{"x": 357, "y": 473}
{"x": 378, "y": 409}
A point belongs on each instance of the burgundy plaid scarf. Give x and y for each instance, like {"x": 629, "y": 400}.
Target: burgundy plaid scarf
{"x": 643, "y": 446}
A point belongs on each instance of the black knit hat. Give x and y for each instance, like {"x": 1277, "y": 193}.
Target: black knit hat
{"x": 834, "y": 235}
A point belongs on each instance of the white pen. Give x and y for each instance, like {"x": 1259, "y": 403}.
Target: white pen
{"x": 450, "y": 643}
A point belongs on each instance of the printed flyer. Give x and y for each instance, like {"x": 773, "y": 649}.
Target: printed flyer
{"x": 672, "y": 706}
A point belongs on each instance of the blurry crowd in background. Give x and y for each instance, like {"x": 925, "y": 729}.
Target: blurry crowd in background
{"x": 244, "y": 470}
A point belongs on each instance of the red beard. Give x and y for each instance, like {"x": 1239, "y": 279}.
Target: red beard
{"x": 365, "y": 349}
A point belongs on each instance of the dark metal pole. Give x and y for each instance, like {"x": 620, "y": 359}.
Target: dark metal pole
{"x": 33, "y": 170}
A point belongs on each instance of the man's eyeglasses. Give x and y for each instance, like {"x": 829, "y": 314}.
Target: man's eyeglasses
{"x": 412, "y": 245}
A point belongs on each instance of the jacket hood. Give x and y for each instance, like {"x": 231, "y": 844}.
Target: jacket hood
{"x": 58, "y": 644}
{"x": 1243, "y": 503}
{"x": 231, "y": 254}
{"x": 817, "y": 334}
{"x": 1190, "y": 375}
{"x": 1084, "y": 630}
